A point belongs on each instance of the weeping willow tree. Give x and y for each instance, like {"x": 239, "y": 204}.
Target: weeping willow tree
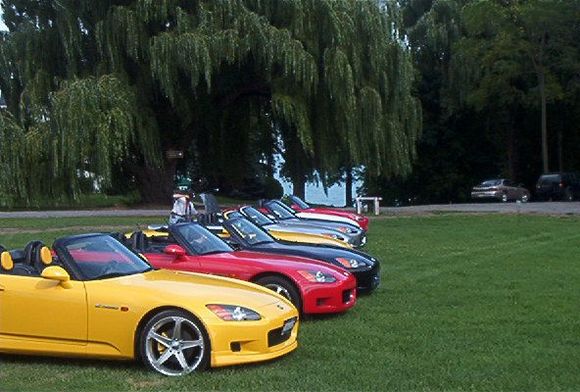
{"x": 111, "y": 86}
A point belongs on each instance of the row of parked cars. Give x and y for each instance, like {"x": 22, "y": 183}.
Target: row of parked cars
{"x": 220, "y": 291}
{"x": 550, "y": 186}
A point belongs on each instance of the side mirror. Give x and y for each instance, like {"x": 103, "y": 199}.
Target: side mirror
{"x": 174, "y": 250}
{"x": 55, "y": 272}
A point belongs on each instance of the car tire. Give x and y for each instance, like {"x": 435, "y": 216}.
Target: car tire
{"x": 525, "y": 198}
{"x": 174, "y": 343}
{"x": 504, "y": 197}
{"x": 283, "y": 287}
{"x": 568, "y": 195}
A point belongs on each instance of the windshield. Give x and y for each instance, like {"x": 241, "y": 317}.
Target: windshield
{"x": 256, "y": 216}
{"x": 549, "y": 179}
{"x": 299, "y": 202}
{"x": 233, "y": 214}
{"x": 491, "y": 183}
{"x": 201, "y": 240}
{"x": 102, "y": 256}
{"x": 279, "y": 210}
{"x": 249, "y": 232}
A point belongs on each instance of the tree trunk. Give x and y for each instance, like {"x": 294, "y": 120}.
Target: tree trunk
{"x": 542, "y": 86}
{"x": 156, "y": 184}
{"x": 560, "y": 149}
{"x": 348, "y": 184}
{"x": 298, "y": 185}
{"x": 512, "y": 152}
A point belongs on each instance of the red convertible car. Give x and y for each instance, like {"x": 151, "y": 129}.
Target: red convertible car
{"x": 301, "y": 207}
{"x": 312, "y": 286}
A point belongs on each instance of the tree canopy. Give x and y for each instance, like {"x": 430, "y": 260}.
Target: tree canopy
{"x": 109, "y": 87}
{"x": 499, "y": 85}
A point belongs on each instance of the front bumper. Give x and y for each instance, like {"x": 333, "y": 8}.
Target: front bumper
{"x": 358, "y": 241}
{"x": 486, "y": 195}
{"x": 329, "y": 297}
{"x": 369, "y": 279}
{"x": 234, "y": 343}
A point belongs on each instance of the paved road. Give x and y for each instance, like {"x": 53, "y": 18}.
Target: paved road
{"x": 83, "y": 213}
{"x": 548, "y": 208}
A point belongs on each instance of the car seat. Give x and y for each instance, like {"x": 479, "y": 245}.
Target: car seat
{"x": 210, "y": 203}
{"x": 37, "y": 255}
{"x": 120, "y": 237}
{"x": 139, "y": 241}
{"x": 20, "y": 266}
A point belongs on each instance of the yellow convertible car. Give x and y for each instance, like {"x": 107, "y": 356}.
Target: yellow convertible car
{"x": 93, "y": 297}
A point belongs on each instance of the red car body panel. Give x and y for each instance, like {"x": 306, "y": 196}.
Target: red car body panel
{"x": 317, "y": 297}
{"x": 363, "y": 221}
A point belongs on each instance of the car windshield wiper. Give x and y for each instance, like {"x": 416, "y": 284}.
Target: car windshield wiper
{"x": 262, "y": 242}
{"x": 213, "y": 252}
{"x": 112, "y": 275}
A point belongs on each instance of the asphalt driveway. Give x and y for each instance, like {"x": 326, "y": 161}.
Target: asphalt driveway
{"x": 544, "y": 208}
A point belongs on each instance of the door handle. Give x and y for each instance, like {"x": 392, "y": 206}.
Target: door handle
{"x": 1, "y": 288}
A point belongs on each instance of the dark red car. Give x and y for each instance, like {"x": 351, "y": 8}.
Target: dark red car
{"x": 312, "y": 286}
{"x": 300, "y": 206}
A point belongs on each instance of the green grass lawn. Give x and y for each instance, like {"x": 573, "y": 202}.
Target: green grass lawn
{"x": 480, "y": 302}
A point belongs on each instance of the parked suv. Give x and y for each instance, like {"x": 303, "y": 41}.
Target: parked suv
{"x": 558, "y": 186}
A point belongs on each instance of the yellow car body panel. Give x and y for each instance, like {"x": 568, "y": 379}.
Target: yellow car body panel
{"x": 307, "y": 238}
{"x": 101, "y": 318}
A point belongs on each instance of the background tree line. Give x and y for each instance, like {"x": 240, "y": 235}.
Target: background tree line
{"x": 499, "y": 83}
{"x": 109, "y": 87}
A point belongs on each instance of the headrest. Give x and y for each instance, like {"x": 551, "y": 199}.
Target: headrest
{"x": 138, "y": 241}
{"x": 45, "y": 255}
{"x": 6, "y": 261}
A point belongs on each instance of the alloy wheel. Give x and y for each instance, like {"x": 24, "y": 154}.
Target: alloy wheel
{"x": 174, "y": 345}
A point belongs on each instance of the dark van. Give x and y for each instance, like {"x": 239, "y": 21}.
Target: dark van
{"x": 558, "y": 186}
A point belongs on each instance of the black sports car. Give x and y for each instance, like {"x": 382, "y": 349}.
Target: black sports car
{"x": 364, "y": 267}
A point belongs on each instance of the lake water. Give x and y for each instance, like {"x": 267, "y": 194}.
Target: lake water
{"x": 315, "y": 193}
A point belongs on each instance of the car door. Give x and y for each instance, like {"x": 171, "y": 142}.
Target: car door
{"x": 34, "y": 308}
{"x": 511, "y": 189}
{"x": 223, "y": 264}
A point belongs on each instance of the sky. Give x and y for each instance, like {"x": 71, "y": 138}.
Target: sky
{"x": 2, "y": 25}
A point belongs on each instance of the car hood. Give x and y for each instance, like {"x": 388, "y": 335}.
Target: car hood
{"x": 298, "y": 227}
{"x": 181, "y": 288}
{"x": 331, "y": 211}
{"x": 271, "y": 262}
{"x": 319, "y": 252}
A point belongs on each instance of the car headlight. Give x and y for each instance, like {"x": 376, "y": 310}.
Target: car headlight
{"x": 233, "y": 312}
{"x": 332, "y": 235}
{"x": 348, "y": 263}
{"x": 359, "y": 218}
{"x": 344, "y": 229}
{"x": 317, "y": 276}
